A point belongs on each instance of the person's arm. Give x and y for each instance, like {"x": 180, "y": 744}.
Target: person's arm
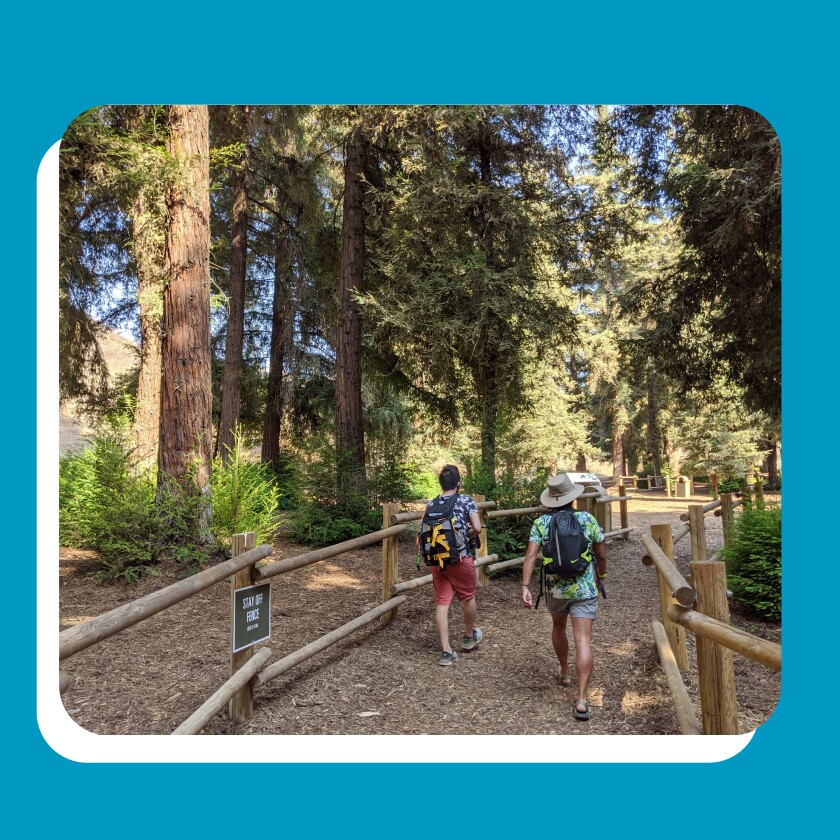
{"x": 527, "y": 571}
{"x": 474, "y": 525}
{"x": 601, "y": 558}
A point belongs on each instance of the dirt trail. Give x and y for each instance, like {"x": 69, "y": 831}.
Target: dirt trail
{"x": 385, "y": 679}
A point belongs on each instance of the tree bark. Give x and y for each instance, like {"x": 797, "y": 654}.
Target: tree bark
{"x": 149, "y": 258}
{"x": 232, "y": 380}
{"x": 653, "y": 425}
{"x": 185, "y": 420}
{"x": 617, "y": 455}
{"x": 280, "y": 315}
{"x": 350, "y": 442}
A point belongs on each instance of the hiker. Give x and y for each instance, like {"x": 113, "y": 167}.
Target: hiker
{"x": 451, "y": 527}
{"x": 575, "y": 596}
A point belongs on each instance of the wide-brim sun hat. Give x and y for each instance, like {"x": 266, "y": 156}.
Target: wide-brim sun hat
{"x": 560, "y": 491}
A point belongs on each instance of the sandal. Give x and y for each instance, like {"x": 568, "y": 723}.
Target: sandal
{"x": 564, "y": 681}
{"x": 579, "y": 715}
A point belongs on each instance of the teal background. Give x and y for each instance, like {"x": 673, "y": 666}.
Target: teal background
{"x": 59, "y": 63}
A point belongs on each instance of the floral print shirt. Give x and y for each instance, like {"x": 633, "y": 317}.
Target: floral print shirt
{"x": 576, "y": 588}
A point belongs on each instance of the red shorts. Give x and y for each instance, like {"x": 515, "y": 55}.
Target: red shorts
{"x": 459, "y": 578}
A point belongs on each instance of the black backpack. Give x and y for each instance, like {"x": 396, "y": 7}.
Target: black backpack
{"x": 440, "y": 540}
{"x": 563, "y": 553}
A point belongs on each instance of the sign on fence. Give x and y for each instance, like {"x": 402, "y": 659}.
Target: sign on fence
{"x": 251, "y": 615}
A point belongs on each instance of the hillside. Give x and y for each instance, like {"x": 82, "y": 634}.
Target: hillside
{"x": 120, "y": 357}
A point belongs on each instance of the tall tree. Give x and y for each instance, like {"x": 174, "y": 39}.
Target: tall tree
{"x": 184, "y": 457}
{"x": 238, "y": 125}
{"x": 350, "y": 441}
{"x": 717, "y": 312}
{"x": 478, "y": 221}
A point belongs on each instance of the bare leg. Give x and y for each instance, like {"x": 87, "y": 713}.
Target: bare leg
{"x": 469, "y": 615}
{"x": 561, "y": 643}
{"x": 582, "y": 630}
{"x": 442, "y": 622}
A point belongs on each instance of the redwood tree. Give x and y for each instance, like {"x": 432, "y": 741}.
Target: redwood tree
{"x": 350, "y": 442}
{"x": 184, "y": 455}
{"x": 231, "y": 384}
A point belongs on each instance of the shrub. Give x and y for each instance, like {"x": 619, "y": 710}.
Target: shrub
{"x": 754, "y": 561}
{"x": 730, "y": 485}
{"x": 319, "y": 524}
{"x": 245, "y": 497}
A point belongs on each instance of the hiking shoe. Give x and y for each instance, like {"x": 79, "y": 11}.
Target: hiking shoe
{"x": 447, "y": 657}
{"x": 470, "y": 642}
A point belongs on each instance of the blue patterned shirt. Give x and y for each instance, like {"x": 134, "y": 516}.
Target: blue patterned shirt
{"x": 464, "y": 506}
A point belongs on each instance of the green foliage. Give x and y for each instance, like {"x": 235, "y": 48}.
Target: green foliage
{"x": 107, "y": 506}
{"x": 730, "y": 485}
{"x": 320, "y": 525}
{"x": 424, "y": 485}
{"x": 246, "y": 497}
{"x": 754, "y": 561}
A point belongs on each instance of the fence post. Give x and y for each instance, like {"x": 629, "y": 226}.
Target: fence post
{"x": 390, "y": 552}
{"x": 727, "y": 502}
{"x": 241, "y": 705}
{"x": 622, "y": 508}
{"x": 481, "y": 573}
{"x": 713, "y": 481}
{"x": 697, "y": 523}
{"x": 718, "y": 705}
{"x": 675, "y": 633}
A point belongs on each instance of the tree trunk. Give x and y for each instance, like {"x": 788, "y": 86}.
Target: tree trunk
{"x": 653, "y": 426}
{"x": 489, "y": 415}
{"x": 617, "y": 455}
{"x": 149, "y": 258}
{"x": 350, "y": 442}
{"x": 185, "y": 420}
{"x": 280, "y": 314}
{"x": 771, "y": 461}
{"x": 232, "y": 381}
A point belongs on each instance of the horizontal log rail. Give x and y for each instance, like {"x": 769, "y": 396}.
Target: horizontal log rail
{"x": 219, "y": 700}
{"x": 759, "y": 650}
{"x": 706, "y": 509}
{"x": 609, "y": 499}
{"x": 409, "y": 515}
{"x": 670, "y": 499}
{"x": 682, "y": 531}
{"x": 307, "y": 652}
{"x": 618, "y": 532}
{"x": 678, "y": 585}
{"x": 735, "y": 504}
{"x": 82, "y": 636}
{"x": 279, "y": 567}
{"x": 506, "y": 564}
{"x": 686, "y": 716}
{"x": 495, "y": 514}
{"x": 678, "y": 534}
{"x": 425, "y": 580}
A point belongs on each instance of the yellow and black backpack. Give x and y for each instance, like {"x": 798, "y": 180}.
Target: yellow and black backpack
{"x": 440, "y": 541}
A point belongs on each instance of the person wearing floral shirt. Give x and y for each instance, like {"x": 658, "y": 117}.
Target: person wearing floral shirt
{"x": 575, "y": 596}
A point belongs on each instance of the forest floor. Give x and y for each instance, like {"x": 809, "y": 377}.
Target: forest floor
{"x": 385, "y": 678}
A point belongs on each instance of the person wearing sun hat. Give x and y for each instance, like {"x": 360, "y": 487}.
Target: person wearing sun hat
{"x": 569, "y": 596}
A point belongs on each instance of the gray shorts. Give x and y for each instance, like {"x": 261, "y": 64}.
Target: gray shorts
{"x": 585, "y": 608}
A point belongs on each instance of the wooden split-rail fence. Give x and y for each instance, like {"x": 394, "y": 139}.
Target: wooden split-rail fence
{"x": 701, "y": 605}
{"x": 249, "y": 565}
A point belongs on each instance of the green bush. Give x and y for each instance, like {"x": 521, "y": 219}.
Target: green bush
{"x": 319, "y": 524}
{"x": 730, "y": 485}
{"x": 108, "y": 506}
{"x": 754, "y": 561}
{"x": 245, "y": 497}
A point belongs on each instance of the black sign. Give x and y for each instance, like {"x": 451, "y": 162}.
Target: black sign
{"x": 251, "y": 615}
